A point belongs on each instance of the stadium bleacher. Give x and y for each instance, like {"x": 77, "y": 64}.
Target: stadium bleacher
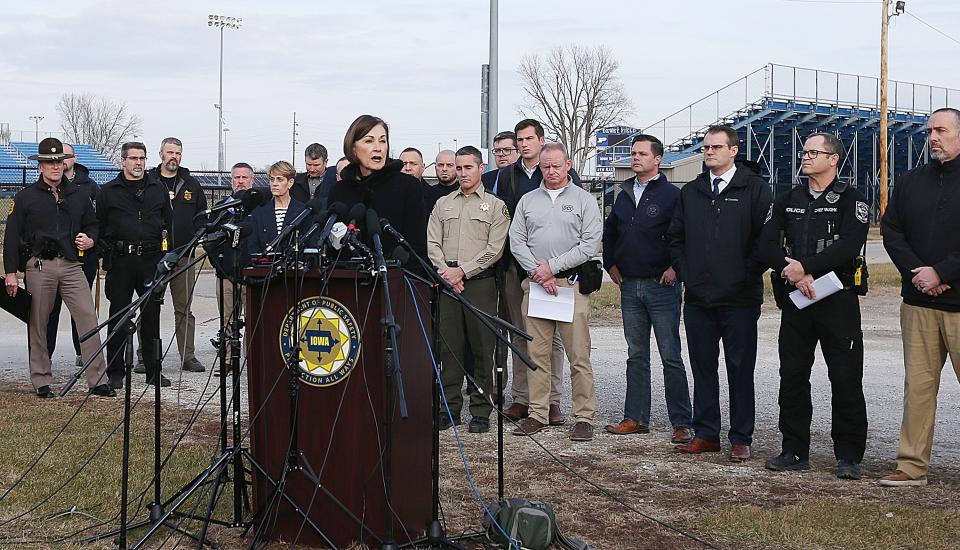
{"x": 87, "y": 155}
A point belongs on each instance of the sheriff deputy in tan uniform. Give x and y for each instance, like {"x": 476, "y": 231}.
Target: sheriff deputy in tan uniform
{"x": 50, "y": 225}
{"x": 465, "y": 238}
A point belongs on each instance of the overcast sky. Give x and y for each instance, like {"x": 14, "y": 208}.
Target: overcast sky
{"x": 416, "y": 63}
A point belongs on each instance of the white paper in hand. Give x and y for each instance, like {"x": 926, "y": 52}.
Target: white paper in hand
{"x": 824, "y": 286}
{"x": 544, "y": 305}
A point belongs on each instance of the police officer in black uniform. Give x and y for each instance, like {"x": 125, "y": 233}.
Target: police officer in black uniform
{"x": 79, "y": 176}
{"x": 818, "y": 228}
{"x": 51, "y": 225}
{"x": 135, "y": 217}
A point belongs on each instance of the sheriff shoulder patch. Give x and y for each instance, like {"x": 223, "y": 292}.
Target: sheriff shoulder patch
{"x": 862, "y": 211}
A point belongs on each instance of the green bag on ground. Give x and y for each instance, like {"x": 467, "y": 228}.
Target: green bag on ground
{"x": 530, "y": 524}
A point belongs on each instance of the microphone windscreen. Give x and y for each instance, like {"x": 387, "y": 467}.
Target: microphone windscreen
{"x": 252, "y": 198}
{"x": 357, "y": 212}
{"x": 340, "y": 210}
{"x": 336, "y": 235}
{"x": 373, "y": 222}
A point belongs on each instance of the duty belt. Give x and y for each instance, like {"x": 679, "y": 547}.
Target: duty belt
{"x": 137, "y": 248}
{"x": 482, "y": 275}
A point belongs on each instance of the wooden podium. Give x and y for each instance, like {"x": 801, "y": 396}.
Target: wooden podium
{"x": 341, "y": 426}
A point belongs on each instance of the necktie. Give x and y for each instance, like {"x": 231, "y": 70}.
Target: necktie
{"x": 716, "y": 186}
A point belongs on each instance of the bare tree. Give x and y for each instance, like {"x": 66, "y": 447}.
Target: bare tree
{"x": 97, "y": 121}
{"x": 574, "y": 92}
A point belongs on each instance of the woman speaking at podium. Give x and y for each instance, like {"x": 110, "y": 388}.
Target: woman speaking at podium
{"x": 375, "y": 180}
{"x": 266, "y": 221}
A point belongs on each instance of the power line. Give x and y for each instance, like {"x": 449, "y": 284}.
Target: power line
{"x": 932, "y": 27}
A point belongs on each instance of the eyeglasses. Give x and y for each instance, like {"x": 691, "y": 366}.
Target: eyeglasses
{"x": 707, "y": 148}
{"x": 504, "y": 150}
{"x": 813, "y": 153}
{"x": 136, "y": 159}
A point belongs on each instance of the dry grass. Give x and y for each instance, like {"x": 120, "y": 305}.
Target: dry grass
{"x": 835, "y": 524}
{"x": 61, "y": 480}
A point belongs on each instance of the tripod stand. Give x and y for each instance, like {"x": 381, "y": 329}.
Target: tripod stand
{"x": 157, "y": 517}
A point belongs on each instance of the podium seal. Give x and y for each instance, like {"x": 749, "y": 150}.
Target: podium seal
{"x": 329, "y": 340}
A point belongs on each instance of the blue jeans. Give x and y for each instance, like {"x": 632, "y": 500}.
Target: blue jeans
{"x": 645, "y": 303}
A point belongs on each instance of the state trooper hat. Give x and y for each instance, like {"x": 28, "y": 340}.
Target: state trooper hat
{"x": 50, "y": 149}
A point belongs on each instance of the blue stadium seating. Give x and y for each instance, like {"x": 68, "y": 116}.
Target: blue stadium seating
{"x": 87, "y": 155}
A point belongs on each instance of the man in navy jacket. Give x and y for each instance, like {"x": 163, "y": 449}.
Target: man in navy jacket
{"x": 714, "y": 239}
{"x": 636, "y": 255}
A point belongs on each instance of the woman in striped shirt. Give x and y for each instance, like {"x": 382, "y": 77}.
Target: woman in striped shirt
{"x": 268, "y": 220}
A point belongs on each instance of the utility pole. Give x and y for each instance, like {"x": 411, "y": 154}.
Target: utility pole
{"x": 883, "y": 107}
{"x": 899, "y": 8}
{"x": 36, "y": 121}
{"x": 293, "y": 154}
{"x": 492, "y": 123}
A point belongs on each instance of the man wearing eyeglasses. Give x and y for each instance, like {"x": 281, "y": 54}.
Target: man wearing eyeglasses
{"x": 49, "y": 227}
{"x": 135, "y": 219}
{"x": 713, "y": 246}
{"x": 817, "y": 228}
{"x": 505, "y": 153}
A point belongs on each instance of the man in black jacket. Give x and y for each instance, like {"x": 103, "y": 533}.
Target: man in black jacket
{"x": 814, "y": 229}
{"x": 505, "y": 153}
{"x": 636, "y": 255}
{"x": 134, "y": 214}
{"x": 713, "y": 245}
{"x": 921, "y": 232}
{"x": 76, "y": 174}
{"x": 187, "y": 201}
{"x": 316, "y": 182}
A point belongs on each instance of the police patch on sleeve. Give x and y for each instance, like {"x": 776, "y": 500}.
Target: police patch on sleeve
{"x": 506, "y": 212}
{"x": 13, "y": 203}
{"x": 862, "y": 211}
{"x": 769, "y": 214}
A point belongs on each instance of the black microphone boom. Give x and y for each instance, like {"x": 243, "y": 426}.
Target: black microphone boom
{"x": 248, "y": 199}
{"x": 336, "y": 212}
{"x": 373, "y": 229}
{"x": 295, "y": 223}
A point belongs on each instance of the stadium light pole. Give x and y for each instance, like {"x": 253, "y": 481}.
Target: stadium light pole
{"x": 221, "y": 22}
{"x": 36, "y": 124}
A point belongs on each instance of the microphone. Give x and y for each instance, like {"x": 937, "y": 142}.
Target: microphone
{"x": 248, "y": 199}
{"x": 337, "y": 232}
{"x": 385, "y": 224}
{"x": 352, "y": 238}
{"x": 295, "y": 223}
{"x": 336, "y": 211}
{"x": 373, "y": 229}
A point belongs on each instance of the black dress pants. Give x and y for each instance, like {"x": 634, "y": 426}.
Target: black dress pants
{"x": 834, "y": 322}
{"x": 127, "y": 275}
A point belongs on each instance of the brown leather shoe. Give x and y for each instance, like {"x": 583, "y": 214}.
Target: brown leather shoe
{"x": 739, "y": 453}
{"x": 516, "y": 411}
{"x": 682, "y": 435}
{"x": 582, "y": 431}
{"x": 556, "y": 417}
{"x": 529, "y": 426}
{"x": 699, "y": 445}
{"x": 899, "y": 478}
{"x": 627, "y": 426}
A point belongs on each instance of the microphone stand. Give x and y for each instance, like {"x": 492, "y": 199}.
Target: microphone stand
{"x": 435, "y": 531}
{"x": 392, "y": 369}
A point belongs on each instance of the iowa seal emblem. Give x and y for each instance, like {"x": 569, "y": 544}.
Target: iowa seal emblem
{"x": 328, "y": 337}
